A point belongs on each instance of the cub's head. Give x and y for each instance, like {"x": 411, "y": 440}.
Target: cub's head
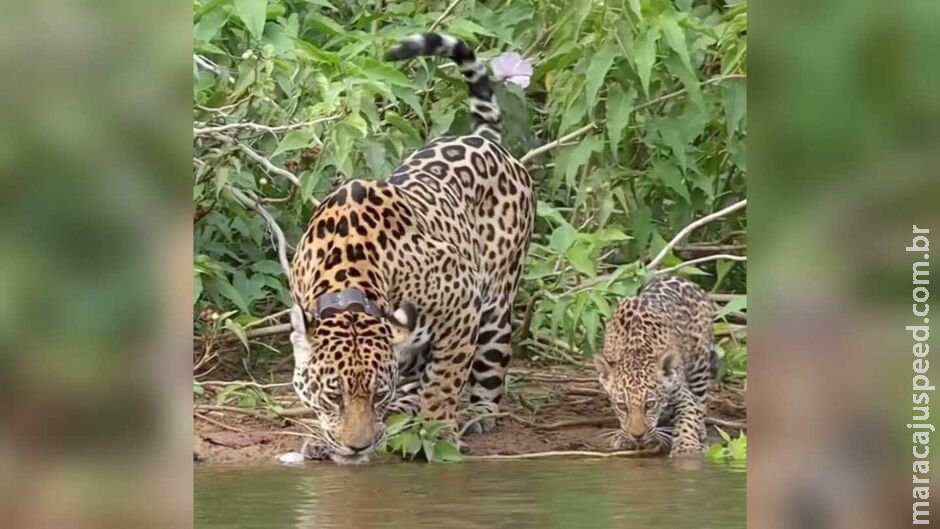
{"x": 346, "y": 370}
{"x": 639, "y": 370}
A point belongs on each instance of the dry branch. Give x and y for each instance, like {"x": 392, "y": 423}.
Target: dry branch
{"x": 272, "y": 224}
{"x": 702, "y": 260}
{"x": 688, "y": 229}
{"x": 562, "y": 453}
{"x": 267, "y": 164}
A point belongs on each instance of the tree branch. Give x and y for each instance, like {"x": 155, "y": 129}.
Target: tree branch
{"x": 688, "y": 229}
{"x": 248, "y": 202}
{"x": 205, "y": 131}
{"x": 551, "y": 145}
{"x": 267, "y": 164}
{"x": 702, "y": 260}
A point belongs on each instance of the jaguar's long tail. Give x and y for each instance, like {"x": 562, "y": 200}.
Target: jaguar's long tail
{"x": 483, "y": 106}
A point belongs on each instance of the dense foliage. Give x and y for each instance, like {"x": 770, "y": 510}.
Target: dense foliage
{"x": 291, "y": 97}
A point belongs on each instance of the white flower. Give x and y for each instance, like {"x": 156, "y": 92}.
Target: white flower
{"x": 512, "y": 68}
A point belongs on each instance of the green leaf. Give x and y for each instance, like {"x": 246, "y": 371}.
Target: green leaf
{"x": 675, "y": 39}
{"x": 609, "y": 235}
{"x": 447, "y": 453}
{"x": 209, "y": 24}
{"x": 233, "y": 295}
{"x": 579, "y": 254}
{"x": 293, "y": 140}
{"x": 322, "y": 3}
{"x": 724, "y": 435}
{"x": 402, "y": 124}
{"x": 619, "y": 107}
{"x": 252, "y": 13}
{"x": 597, "y": 71}
{"x": 238, "y": 331}
{"x": 645, "y": 56}
{"x": 734, "y": 101}
{"x": 670, "y": 176}
{"x": 383, "y": 72}
{"x": 197, "y": 288}
{"x": 736, "y": 304}
{"x": 428, "y": 446}
{"x": 562, "y": 238}
{"x": 546, "y": 211}
{"x": 579, "y": 156}
{"x": 325, "y": 24}
{"x": 716, "y": 453}
{"x": 463, "y": 28}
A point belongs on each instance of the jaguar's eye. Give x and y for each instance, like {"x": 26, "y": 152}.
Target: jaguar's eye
{"x": 334, "y": 396}
{"x": 650, "y": 404}
{"x": 381, "y": 394}
{"x": 622, "y": 407}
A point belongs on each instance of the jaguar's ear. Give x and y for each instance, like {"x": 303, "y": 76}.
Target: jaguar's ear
{"x": 298, "y": 336}
{"x": 403, "y": 320}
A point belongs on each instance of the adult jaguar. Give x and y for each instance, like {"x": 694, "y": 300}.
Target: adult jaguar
{"x": 418, "y": 271}
{"x": 657, "y": 363}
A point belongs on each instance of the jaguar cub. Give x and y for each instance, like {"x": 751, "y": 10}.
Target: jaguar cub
{"x": 657, "y": 363}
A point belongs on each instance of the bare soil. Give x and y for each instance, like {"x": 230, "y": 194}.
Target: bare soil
{"x": 550, "y": 408}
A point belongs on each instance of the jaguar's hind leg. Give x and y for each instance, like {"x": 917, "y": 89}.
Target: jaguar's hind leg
{"x": 488, "y": 371}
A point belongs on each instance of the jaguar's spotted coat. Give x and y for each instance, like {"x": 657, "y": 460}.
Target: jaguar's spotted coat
{"x": 657, "y": 363}
{"x": 421, "y": 268}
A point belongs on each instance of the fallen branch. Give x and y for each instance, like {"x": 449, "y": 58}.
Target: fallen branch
{"x": 594, "y": 421}
{"x": 289, "y": 412}
{"x": 727, "y": 424}
{"x": 688, "y": 229}
{"x": 241, "y": 383}
{"x": 705, "y": 259}
{"x": 562, "y": 453}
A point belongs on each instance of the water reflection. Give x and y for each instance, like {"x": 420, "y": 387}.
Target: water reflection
{"x": 641, "y": 493}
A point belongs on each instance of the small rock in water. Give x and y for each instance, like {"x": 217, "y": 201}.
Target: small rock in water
{"x": 291, "y": 458}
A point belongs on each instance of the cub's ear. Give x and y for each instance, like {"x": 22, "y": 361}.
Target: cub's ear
{"x": 669, "y": 363}
{"x": 403, "y": 320}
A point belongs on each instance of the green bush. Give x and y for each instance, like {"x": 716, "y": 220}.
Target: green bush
{"x": 291, "y": 97}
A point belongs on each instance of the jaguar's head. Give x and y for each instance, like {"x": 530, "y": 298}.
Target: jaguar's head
{"x": 346, "y": 371}
{"x": 639, "y": 374}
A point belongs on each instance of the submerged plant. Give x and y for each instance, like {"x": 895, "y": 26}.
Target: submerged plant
{"x": 730, "y": 450}
{"x": 411, "y": 436}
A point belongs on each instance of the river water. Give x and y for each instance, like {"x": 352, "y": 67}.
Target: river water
{"x": 545, "y": 493}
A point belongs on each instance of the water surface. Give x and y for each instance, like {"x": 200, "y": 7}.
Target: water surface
{"x": 603, "y": 493}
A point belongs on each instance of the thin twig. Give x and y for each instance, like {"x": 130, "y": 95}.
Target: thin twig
{"x": 289, "y": 412}
{"x": 727, "y": 424}
{"x": 259, "y": 127}
{"x": 219, "y": 423}
{"x": 267, "y": 164}
{"x": 702, "y": 260}
{"x": 241, "y": 383}
{"x": 688, "y": 229}
{"x": 562, "y": 453}
{"x": 272, "y": 224}
{"x": 594, "y": 421}
{"x": 445, "y": 14}
{"x": 551, "y": 145}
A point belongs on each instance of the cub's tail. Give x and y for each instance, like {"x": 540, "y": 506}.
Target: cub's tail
{"x": 483, "y": 105}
